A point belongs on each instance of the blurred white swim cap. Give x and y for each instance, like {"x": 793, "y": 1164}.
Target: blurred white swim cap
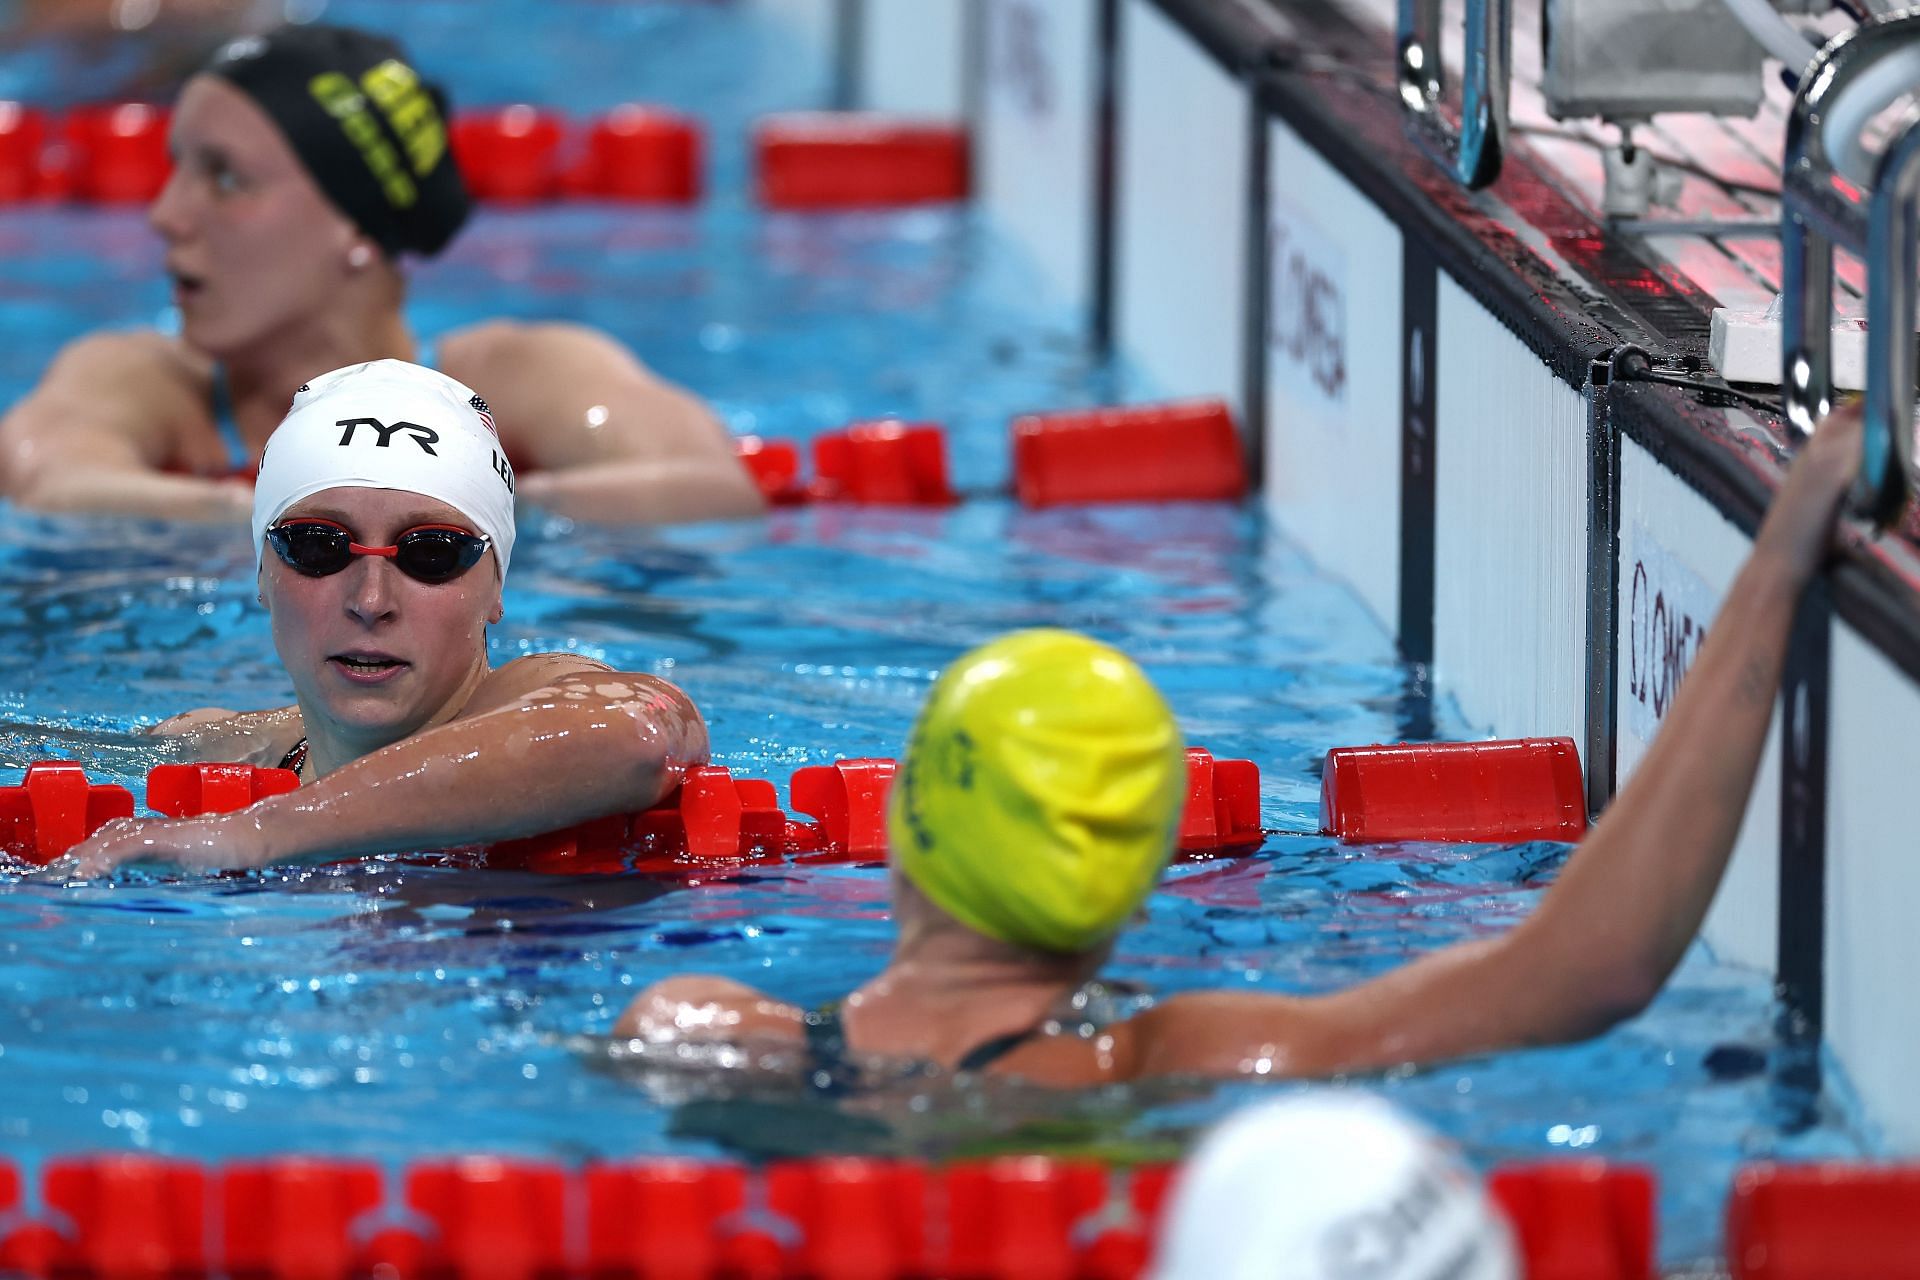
{"x": 387, "y": 424}
{"x": 1329, "y": 1186}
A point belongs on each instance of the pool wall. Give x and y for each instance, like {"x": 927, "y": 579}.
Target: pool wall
{"x": 1426, "y": 378}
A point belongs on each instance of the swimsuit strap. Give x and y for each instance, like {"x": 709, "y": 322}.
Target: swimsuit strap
{"x": 239, "y": 457}
{"x": 988, "y": 1052}
{"x": 829, "y": 1070}
{"x": 296, "y": 757}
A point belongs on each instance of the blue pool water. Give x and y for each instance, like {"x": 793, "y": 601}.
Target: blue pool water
{"x": 395, "y": 1010}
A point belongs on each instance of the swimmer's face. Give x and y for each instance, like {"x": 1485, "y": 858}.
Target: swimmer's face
{"x": 254, "y": 249}
{"x": 374, "y": 653}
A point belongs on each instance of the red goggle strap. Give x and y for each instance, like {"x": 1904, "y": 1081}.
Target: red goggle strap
{"x": 359, "y": 549}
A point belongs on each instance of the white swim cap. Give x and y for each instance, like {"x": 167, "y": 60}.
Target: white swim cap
{"x": 1329, "y": 1186}
{"x": 387, "y": 424}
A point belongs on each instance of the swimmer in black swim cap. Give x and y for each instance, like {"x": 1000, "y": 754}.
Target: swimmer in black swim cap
{"x": 309, "y": 162}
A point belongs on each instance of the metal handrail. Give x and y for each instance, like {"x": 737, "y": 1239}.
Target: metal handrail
{"x": 1473, "y": 155}
{"x": 1821, "y": 209}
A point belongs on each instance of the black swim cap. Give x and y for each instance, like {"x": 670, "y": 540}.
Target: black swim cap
{"x": 371, "y": 132}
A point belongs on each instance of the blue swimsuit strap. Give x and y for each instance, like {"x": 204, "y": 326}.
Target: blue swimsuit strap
{"x": 239, "y": 457}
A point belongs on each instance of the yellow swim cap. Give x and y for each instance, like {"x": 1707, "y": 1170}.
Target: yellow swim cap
{"x": 1040, "y": 790}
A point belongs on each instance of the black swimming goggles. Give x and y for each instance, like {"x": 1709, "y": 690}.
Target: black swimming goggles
{"x": 430, "y": 553}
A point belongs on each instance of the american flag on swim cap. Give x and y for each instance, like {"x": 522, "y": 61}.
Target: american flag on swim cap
{"x": 486, "y": 415}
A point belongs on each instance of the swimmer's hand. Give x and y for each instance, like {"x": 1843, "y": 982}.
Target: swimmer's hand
{"x": 1802, "y": 524}
{"x": 212, "y": 840}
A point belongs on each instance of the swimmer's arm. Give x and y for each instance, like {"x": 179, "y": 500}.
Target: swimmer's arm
{"x": 1621, "y": 914}
{"x": 214, "y": 734}
{"x": 595, "y": 435}
{"x": 95, "y": 432}
{"x": 700, "y": 1007}
{"x": 585, "y": 745}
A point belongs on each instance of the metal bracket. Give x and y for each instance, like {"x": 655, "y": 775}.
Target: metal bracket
{"x": 1821, "y": 209}
{"x": 1473, "y": 155}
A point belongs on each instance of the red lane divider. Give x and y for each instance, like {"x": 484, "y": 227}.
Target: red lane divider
{"x": 870, "y": 463}
{"x": 494, "y": 1219}
{"x": 54, "y": 808}
{"x": 1223, "y": 803}
{"x": 510, "y": 154}
{"x": 839, "y": 1218}
{"x": 294, "y": 1218}
{"x": 662, "y": 1218}
{"x": 855, "y": 1217}
{"x": 775, "y": 468}
{"x": 1017, "y": 1215}
{"x": 848, "y": 799}
{"x": 711, "y": 819}
{"x": 884, "y": 464}
{"x": 640, "y": 154}
{"x": 132, "y": 1218}
{"x": 1491, "y": 792}
{"x": 1814, "y": 1222}
{"x": 1121, "y": 1249}
{"x": 1579, "y": 1220}
{"x": 117, "y": 152}
{"x": 1186, "y": 451}
{"x": 189, "y": 790}
{"x": 844, "y": 160}
{"x": 23, "y": 139}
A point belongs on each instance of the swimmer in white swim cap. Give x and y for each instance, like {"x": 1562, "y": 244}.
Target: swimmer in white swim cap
{"x": 1329, "y": 1186}
{"x": 383, "y": 527}
{"x": 287, "y": 222}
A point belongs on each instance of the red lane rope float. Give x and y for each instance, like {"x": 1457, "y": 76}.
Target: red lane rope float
{"x": 1187, "y": 451}
{"x": 116, "y": 153}
{"x": 492, "y": 1217}
{"x": 662, "y": 1218}
{"x": 848, "y": 160}
{"x": 509, "y": 154}
{"x": 1579, "y": 1219}
{"x": 711, "y": 819}
{"x": 130, "y": 1216}
{"x": 775, "y": 468}
{"x": 883, "y": 463}
{"x": 136, "y": 1217}
{"x": 1811, "y": 1222}
{"x": 1223, "y": 803}
{"x": 185, "y": 790}
{"x": 641, "y": 154}
{"x": 1487, "y": 792}
{"x": 55, "y": 808}
{"x": 295, "y": 1217}
{"x": 23, "y": 139}
{"x": 1184, "y": 451}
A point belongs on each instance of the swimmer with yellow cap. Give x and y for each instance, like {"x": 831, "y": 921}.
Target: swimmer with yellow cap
{"x": 1036, "y": 806}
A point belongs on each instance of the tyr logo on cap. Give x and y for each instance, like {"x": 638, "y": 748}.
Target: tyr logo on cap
{"x": 425, "y": 437}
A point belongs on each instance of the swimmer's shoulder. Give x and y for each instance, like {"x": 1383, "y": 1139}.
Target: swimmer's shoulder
{"x": 124, "y": 398}
{"x": 133, "y": 377}
{"x": 214, "y": 734}
{"x": 705, "y": 1007}
{"x": 537, "y": 672}
{"x": 514, "y": 680}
